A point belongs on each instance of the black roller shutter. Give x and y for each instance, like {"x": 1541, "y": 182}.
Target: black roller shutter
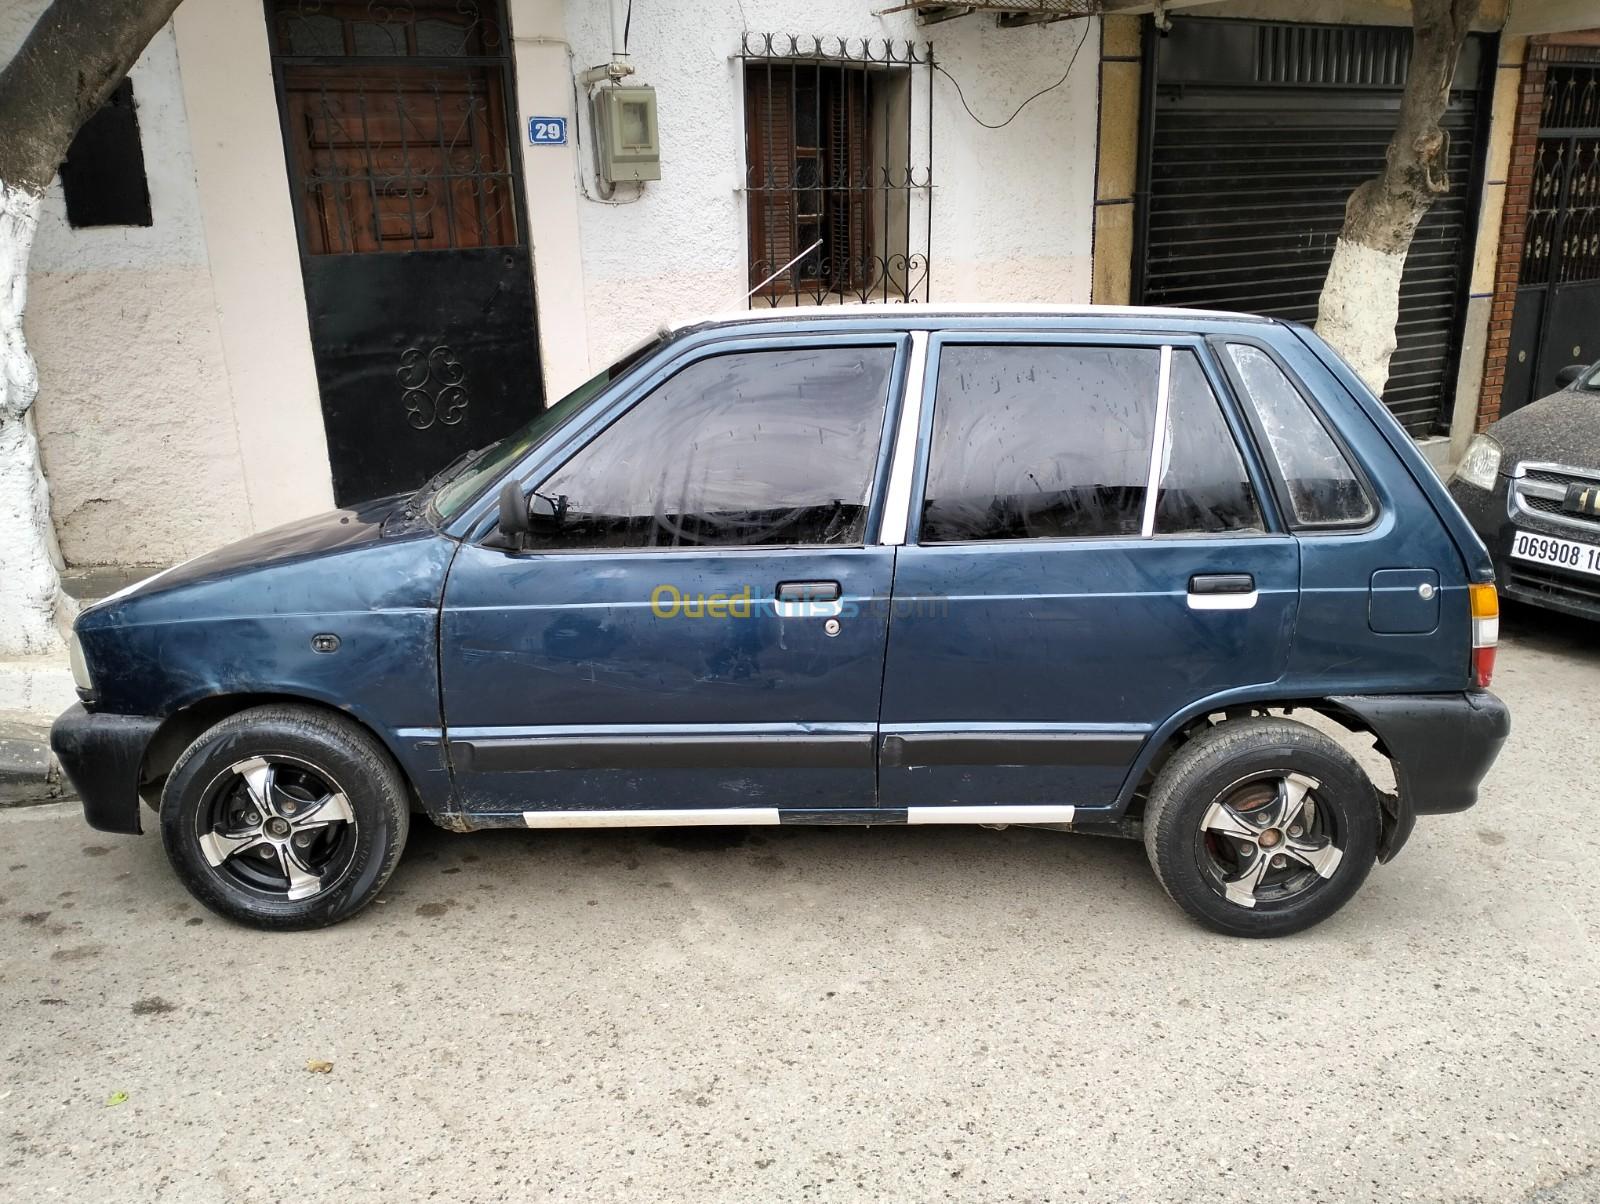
{"x": 1256, "y": 137}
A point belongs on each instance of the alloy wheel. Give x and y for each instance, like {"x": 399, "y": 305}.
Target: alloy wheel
{"x": 1265, "y": 840}
{"x": 278, "y": 826}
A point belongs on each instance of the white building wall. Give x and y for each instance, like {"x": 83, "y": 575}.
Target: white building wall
{"x": 134, "y": 412}
{"x": 179, "y": 406}
{"x": 1011, "y": 207}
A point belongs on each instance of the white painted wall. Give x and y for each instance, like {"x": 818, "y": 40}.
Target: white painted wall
{"x": 255, "y": 257}
{"x": 134, "y": 412}
{"x": 1011, "y": 207}
{"x": 179, "y": 405}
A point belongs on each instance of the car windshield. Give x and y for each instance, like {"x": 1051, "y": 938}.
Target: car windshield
{"x": 461, "y": 488}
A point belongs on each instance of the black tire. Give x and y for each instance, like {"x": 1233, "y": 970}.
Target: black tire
{"x": 1199, "y": 855}
{"x": 303, "y": 759}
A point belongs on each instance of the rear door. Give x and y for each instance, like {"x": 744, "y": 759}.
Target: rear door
{"x": 1087, "y": 553}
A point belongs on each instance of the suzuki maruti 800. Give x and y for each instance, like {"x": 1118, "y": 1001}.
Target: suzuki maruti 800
{"x": 912, "y": 565}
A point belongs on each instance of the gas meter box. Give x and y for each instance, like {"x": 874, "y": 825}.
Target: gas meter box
{"x": 628, "y": 144}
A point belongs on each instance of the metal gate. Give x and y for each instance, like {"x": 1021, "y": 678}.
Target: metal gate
{"x": 1255, "y": 134}
{"x": 413, "y": 239}
{"x": 1556, "y": 320}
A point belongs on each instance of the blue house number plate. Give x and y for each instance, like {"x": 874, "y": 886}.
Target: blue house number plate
{"x": 547, "y": 131}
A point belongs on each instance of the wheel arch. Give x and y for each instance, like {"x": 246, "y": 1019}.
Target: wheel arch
{"x": 1396, "y": 814}
{"x": 183, "y": 726}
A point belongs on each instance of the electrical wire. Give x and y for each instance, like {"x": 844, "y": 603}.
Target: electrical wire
{"x": 1082, "y": 38}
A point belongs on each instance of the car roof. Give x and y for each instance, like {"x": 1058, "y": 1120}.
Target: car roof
{"x": 917, "y": 316}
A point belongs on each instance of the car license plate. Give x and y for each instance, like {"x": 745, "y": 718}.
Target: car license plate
{"x": 1562, "y": 553}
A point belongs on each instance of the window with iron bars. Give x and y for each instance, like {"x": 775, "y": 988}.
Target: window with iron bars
{"x": 833, "y": 194}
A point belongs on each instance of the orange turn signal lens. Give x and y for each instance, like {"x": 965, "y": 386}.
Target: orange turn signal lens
{"x": 1485, "y": 601}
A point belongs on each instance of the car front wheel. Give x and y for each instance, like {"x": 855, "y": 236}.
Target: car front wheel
{"x": 1261, "y": 827}
{"x": 285, "y": 817}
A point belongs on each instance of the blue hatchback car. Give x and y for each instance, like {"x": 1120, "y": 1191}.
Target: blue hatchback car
{"x": 1072, "y": 568}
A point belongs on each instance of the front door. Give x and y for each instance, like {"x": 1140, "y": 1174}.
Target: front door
{"x": 1091, "y": 558}
{"x": 1556, "y": 321}
{"x": 413, "y": 242}
{"x": 701, "y": 635}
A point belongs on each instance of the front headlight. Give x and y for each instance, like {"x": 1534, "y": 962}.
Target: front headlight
{"x": 1481, "y": 465}
{"x": 80, "y": 667}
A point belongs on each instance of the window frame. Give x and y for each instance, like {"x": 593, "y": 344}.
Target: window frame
{"x": 634, "y": 388}
{"x": 1240, "y": 396}
{"x": 1272, "y": 516}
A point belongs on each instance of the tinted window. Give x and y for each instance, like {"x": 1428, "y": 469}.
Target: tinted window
{"x": 480, "y": 470}
{"x": 1038, "y": 442}
{"x": 1204, "y": 487}
{"x": 763, "y": 447}
{"x": 1323, "y": 488}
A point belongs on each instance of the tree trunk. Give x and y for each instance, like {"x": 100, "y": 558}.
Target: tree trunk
{"x": 30, "y": 587}
{"x": 1360, "y": 304}
{"x": 73, "y": 59}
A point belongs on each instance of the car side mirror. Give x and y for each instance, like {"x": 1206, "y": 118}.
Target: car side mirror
{"x": 544, "y": 513}
{"x": 1569, "y": 375}
{"x": 522, "y": 515}
{"x": 514, "y": 521}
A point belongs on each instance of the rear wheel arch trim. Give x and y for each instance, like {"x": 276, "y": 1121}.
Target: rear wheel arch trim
{"x": 1397, "y": 816}
{"x": 1164, "y": 739}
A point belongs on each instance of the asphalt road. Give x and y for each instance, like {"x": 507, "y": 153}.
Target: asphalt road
{"x": 827, "y": 1014}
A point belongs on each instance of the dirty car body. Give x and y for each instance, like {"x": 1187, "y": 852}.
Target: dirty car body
{"x": 879, "y": 566}
{"x": 1530, "y": 485}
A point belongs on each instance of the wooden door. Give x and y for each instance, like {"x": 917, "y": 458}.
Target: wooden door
{"x": 414, "y": 249}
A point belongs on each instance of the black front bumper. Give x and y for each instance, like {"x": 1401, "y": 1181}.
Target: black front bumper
{"x": 1441, "y": 746}
{"x": 101, "y": 756}
{"x": 1522, "y": 580}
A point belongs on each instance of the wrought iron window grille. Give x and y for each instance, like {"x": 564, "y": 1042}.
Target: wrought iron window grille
{"x": 839, "y": 203}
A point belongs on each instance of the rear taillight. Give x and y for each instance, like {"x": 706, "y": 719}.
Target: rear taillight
{"x": 1485, "y": 632}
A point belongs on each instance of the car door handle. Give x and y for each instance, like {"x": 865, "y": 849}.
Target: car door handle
{"x": 811, "y": 600}
{"x": 1222, "y": 591}
{"x": 1222, "y": 583}
{"x": 809, "y": 591}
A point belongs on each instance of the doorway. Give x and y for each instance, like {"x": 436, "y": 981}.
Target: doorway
{"x": 413, "y": 235}
{"x": 1556, "y": 319}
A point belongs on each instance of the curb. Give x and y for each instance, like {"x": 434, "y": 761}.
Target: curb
{"x": 29, "y": 771}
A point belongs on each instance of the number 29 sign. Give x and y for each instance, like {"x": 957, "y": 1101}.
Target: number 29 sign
{"x": 547, "y": 131}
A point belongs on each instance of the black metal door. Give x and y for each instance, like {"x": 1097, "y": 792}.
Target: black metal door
{"x": 1556, "y": 321}
{"x": 1254, "y": 136}
{"x": 413, "y": 241}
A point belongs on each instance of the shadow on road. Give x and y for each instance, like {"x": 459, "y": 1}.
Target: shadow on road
{"x": 1550, "y": 632}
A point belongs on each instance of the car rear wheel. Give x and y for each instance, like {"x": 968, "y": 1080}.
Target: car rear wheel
{"x": 285, "y": 817}
{"x": 1261, "y": 827}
